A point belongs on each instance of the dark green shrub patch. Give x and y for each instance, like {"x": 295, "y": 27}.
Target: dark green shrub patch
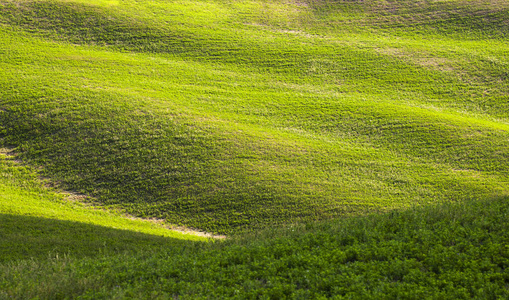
{"x": 448, "y": 251}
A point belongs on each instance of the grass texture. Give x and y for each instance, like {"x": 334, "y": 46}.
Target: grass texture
{"x": 227, "y": 116}
{"x": 350, "y": 149}
{"x": 451, "y": 251}
{"x": 38, "y": 223}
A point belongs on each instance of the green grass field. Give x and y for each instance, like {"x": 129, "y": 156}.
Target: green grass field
{"x": 40, "y": 223}
{"x": 243, "y": 117}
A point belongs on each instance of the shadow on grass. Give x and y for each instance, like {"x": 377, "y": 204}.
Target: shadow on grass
{"x": 24, "y": 237}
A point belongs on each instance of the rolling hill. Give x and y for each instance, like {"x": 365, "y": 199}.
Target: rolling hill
{"x": 241, "y": 117}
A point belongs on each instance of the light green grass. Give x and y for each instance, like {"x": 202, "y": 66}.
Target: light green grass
{"x": 215, "y": 118}
{"x": 40, "y": 223}
{"x": 23, "y": 195}
{"x": 231, "y": 116}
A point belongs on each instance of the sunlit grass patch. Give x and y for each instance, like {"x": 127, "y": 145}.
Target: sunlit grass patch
{"x": 38, "y": 222}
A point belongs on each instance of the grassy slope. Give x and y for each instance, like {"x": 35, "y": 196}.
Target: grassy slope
{"x": 222, "y": 116}
{"x": 225, "y": 115}
{"x": 454, "y": 251}
{"x": 39, "y": 223}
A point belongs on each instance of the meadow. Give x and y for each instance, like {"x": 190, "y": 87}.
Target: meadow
{"x": 353, "y": 149}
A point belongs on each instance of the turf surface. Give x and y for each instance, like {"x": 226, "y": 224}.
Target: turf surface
{"x": 387, "y": 121}
{"x": 222, "y": 116}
